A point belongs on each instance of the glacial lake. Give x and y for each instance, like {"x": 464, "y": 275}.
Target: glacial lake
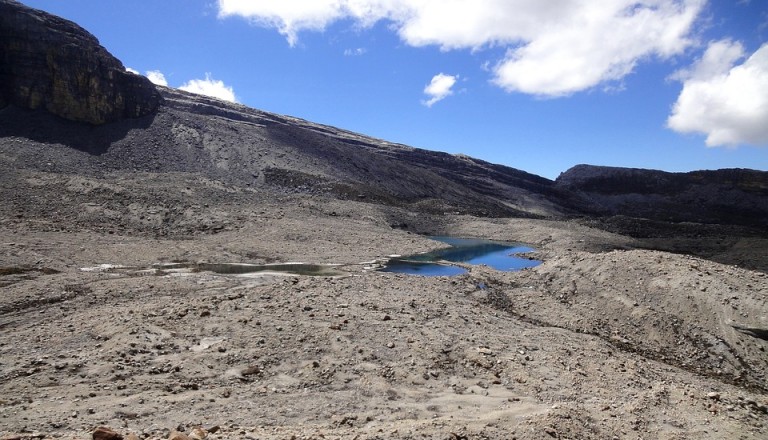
{"x": 499, "y": 255}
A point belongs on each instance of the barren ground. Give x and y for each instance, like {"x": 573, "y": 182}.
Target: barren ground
{"x": 605, "y": 339}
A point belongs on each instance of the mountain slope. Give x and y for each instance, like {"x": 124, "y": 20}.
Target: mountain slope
{"x": 190, "y": 133}
{"x": 61, "y": 88}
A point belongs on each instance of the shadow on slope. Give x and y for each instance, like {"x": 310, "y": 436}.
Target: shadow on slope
{"x": 46, "y": 128}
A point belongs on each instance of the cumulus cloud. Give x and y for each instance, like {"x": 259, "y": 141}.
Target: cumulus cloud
{"x": 288, "y": 16}
{"x": 439, "y": 88}
{"x": 725, "y": 100}
{"x": 134, "y": 71}
{"x": 210, "y": 87}
{"x": 157, "y": 77}
{"x": 554, "y": 48}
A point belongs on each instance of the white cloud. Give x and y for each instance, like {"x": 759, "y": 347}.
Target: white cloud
{"x": 726, "y": 101}
{"x": 599, "y": 42}
{"x": 134, "y": 71}
{"x": 210, "y": 87}
{"x": 439, "y": 88}
{"x": 355, "y": 52}
{"x": 288, "y": 16}
{"x": 554, "y": 48}
{"x": 157, "y": 77}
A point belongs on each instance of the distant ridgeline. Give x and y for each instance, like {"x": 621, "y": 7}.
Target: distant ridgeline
{"x": 726, "y": 196}
{"x": 53, "y": 64}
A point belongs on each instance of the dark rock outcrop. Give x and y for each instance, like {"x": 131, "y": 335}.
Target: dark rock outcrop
{"x": 50, "y": 63}
{"x": 726, "y": 196}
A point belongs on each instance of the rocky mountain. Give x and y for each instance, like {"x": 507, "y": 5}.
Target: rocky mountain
{"x": 53, "y": 64}
{"x": 727, "y": 196}
{"x": 60, "y": 87}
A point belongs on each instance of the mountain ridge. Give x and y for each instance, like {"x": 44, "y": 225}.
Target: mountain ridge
{"x": 735, "y": 195}
{"x": 177, "y": 131}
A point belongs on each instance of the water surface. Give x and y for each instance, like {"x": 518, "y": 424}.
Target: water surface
{"x": 397, "y": 265}
{"x": 181, "y": 268}
{"x": 499, "y": 255}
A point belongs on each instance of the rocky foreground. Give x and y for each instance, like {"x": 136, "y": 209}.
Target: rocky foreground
{"x": 603, "y": 340}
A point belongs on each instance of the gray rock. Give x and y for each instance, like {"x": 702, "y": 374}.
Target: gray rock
{"x": 53, "y": 64}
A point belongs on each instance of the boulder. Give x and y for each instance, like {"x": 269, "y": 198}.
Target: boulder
{"x": 105, "y": 433}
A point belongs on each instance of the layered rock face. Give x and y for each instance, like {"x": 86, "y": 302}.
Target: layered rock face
{"x": 50, "y": 63}
{"x": 727, "y": 196}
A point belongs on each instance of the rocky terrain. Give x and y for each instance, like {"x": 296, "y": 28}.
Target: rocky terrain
{"x": 646, "y": 319}
{"x": 53, "y": 64}
{"x": 728, "y": 196}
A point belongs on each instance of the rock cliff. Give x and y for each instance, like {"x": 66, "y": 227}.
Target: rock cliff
{"x": 50, "y": 63}
{"x": 726, "y": 196}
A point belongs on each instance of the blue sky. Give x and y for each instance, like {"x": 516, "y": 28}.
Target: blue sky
{"x": 676, "y": 85}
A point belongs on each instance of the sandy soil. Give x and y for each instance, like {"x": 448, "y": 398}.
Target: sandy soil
{"x": 605, "y": 339}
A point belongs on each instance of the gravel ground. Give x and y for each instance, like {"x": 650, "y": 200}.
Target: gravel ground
{"x": 606, "y": 339}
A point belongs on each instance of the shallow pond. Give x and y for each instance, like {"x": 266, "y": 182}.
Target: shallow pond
{"x": 243, "y": 268}
{"x": 221, "y": 268}
{"x": 499, "y": 255}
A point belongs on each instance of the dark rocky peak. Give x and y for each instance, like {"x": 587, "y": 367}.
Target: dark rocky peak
{"x": 50, "y": 63}
{"x": 725, "y": 196}
{"x": 615, "y": 180}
